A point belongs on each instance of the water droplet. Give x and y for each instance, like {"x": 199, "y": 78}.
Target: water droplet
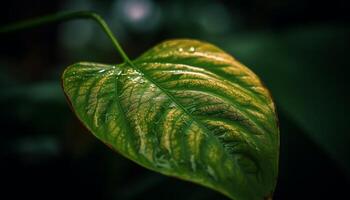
{"x": 211, "y": 172}
{"x": 138, "y": 80}
{"x": 191, "y": 49}
{"x": 172, "y": 105}
{"x": 180, "y": 49}
{"x": 193, "y": 163}
{"x": 153, "y": 88}
{"x": 191, "y": 110}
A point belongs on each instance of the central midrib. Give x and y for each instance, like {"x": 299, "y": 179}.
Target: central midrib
{"x": 172, "y": 98}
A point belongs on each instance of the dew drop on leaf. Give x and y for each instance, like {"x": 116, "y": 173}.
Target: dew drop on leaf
{"x": 191, "y": 49}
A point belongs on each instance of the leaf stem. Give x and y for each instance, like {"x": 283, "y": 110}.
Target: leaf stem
{"x": 66, "y": 16}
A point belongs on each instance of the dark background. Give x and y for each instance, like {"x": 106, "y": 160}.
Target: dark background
{"x": 299, "y": 48}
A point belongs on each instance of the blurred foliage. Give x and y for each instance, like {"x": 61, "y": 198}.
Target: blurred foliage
{"x": 299, "y": 49}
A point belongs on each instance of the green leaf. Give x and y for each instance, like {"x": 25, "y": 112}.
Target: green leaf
{"x": 186, "y": 109}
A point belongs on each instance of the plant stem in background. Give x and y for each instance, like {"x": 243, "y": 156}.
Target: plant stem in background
{"x": 66, "y": 16}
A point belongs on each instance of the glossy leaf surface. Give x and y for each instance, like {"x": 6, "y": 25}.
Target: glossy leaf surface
{"x": 186, "y": 109}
